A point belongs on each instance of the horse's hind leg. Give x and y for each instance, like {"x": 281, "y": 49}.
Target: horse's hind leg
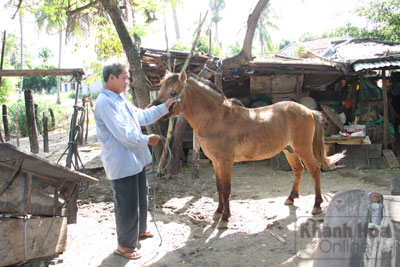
{"x": 298, "y": 169}
{"x": 223, "y": 173}
{"x": 315, "y": 172}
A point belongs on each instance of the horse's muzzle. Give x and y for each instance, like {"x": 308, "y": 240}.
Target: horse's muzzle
{"x": 155, "y": 102}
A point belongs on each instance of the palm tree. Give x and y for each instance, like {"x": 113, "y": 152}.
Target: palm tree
{"x": 216, "y": 7}
{"x": 56, "y": 18}
{"x": 263, "y": 26}
{"x": 174, "y": 5}
{"x": 22, "y": 49}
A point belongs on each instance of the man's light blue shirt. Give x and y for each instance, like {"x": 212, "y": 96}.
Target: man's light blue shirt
{"x": 124, "y": 148}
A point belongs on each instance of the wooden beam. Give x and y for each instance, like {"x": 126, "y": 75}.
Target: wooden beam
{"x": 52, "y": 72}
{"x": 386, "y": 130}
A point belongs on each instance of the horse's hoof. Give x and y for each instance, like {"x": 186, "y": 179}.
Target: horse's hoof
{"x": 288, "y": 202}
{"x": 316, "y": 210}
{"x": 222, "y": 224}
{"x": 217, "y": 216}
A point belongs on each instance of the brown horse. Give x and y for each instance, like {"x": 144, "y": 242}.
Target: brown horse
{"x": 229, "y": 132}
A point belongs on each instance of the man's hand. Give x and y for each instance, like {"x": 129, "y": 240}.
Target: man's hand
{"x": 154, "y": 139}
{"x": 170, "y": 102}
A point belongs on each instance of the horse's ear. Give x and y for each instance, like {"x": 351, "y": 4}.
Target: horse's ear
{"x": 167, "y": 72}
{"x": 182, "y": 76}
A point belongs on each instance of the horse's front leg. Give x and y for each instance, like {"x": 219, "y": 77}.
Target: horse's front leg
{"x": 218, "y": 213}
{"x": 223, "y": 174}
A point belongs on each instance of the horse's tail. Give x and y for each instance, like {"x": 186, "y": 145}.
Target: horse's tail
{"x": 318, "y": 145}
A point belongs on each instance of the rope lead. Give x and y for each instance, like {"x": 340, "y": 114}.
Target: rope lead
{"x": 154, "y": 173}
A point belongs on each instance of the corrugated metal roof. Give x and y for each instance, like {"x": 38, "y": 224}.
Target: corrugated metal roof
{"x": 362, "y": 54}
{"x": 375, "y": 65}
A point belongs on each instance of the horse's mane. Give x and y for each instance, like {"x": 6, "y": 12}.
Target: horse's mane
{"x": 206, "y": 82}
{"x": 206, "y": 85}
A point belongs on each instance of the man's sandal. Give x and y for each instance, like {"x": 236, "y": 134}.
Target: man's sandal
{"x": 146, "y": 235}
{"x": 134, "y": 255}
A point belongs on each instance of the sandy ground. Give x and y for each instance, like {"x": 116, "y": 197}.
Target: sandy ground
{"x": 262, "y": 232}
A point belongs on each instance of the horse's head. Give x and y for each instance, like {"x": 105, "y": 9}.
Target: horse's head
{"x": 172, "y": 85}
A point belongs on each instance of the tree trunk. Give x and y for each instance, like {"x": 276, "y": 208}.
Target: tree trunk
{"x": 216, "y": 33}
{"x": 133, "y": 54}
{"x": 59, "y": 66}
{"x": 175, "y": 15}
{"x": 5, "y": 124}
{"x": 245, "y": 55}
{"x": 21, "y": 54}
{"x": 30, "y": 118}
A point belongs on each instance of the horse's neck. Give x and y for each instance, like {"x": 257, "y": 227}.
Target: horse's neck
{"x": 199, "y": 105}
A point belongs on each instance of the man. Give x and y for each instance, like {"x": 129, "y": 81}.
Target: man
{"x": 125, "y": 153}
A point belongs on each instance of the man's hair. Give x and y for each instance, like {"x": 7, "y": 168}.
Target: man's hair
{"x": 115, "y": 68}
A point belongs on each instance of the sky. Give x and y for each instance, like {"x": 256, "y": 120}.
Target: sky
{"x": 295, "y": 17}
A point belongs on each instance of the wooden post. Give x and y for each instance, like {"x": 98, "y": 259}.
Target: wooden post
{"x": 354, "y": 103}
{"x": 165, "y": 150}
{"x": 196, "y": 157}
{"x": 179, "y": 131}
{"x": 299, "y": 85}
{"x": 45, "y": 134}
{"x": 5, "y": 123}
{"x": 53, "y": 120}
{"x": 1, "y": 136}
{"x": 17, "y": 127}
{"x": 30, "y": 118}
{"x": 386, "y": 130}
{"x": 36, "y": 107}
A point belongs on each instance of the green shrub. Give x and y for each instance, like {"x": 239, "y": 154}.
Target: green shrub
{"x": 72, "y": 94}
{"x": 19, "y": 108}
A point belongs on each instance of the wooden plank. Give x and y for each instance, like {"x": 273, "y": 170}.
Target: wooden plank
{"x": 347, "y": 212}
{"x": 270, "y": 84}
{"x": 374, "y": 151}
{"x": 28, "y": 194}
{"x": 45, "y": 237}
{"x": 53, "y": 72}
{"x": 362, "y": 163}
{"x": 10, "y": 153}
{"x": 390, "y": 158}
{"x": 333, "y": 116}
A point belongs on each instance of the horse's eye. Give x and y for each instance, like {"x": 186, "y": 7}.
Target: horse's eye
{"x": 173, "y": 93}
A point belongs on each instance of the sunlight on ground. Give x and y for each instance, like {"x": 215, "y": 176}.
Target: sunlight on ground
{"x": 175, "y": 204}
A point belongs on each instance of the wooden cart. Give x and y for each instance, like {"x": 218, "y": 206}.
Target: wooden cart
{"x": 37, "y": 201}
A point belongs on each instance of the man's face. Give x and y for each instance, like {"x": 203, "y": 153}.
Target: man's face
{"x": 119, "y": 84}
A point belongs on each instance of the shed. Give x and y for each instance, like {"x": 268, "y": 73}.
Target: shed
{"x": 37, "y": 201}
{"x": 328, "y": 79}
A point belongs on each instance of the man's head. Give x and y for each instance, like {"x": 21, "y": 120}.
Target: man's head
{"x": 115, "y": 77}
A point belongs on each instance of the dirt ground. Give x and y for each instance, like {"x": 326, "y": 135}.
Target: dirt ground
{"x": 262, "y": 232}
